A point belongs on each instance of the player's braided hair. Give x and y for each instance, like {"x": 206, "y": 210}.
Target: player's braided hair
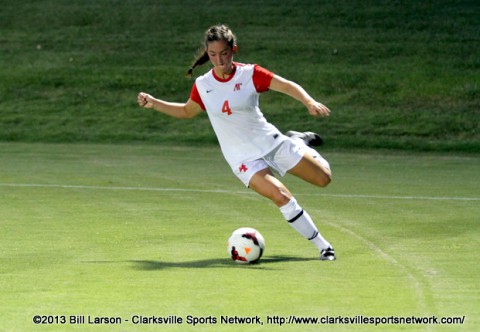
{"x": 214, "y": 33}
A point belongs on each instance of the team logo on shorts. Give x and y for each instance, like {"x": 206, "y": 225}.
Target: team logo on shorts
{"x": 243, "y": 168}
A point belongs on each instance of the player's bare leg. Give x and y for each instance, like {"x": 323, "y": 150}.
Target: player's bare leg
{"x": 265, "y": 184}
{"x": 313, "y": 170}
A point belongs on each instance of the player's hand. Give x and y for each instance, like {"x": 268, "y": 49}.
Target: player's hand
{"x": 318, "y": 109}
{"x": 145, "y": 100}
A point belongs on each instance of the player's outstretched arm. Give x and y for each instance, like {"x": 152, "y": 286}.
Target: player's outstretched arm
{"x": 294, "y": 90}
{"x": 186, "y": 110}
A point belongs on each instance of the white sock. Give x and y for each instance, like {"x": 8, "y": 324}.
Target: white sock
{"x": 301, "y": 221}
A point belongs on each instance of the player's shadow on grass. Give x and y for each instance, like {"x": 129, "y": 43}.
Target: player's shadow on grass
{"x": 264, "y": 263}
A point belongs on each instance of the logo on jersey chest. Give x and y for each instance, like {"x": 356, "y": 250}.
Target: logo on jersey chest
{"x": 236, "y": 87}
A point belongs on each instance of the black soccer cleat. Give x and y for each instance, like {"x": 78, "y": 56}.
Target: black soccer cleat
{"x": 310, "y": 138}
{"x": 327, "y": 254}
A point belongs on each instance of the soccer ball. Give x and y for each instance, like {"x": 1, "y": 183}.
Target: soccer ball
{"x": 246, "y": 245}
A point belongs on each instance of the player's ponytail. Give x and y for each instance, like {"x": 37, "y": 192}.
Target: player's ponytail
{"x": 214, "y": 33}
{"x": 200, "y": 59}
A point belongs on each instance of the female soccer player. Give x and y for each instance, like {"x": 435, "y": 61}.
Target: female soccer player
{"x": 229, "y": 93}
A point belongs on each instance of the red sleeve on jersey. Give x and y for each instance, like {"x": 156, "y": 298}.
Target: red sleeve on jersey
{"x": 195, "y": 96}
{"x": 262, "y": 78}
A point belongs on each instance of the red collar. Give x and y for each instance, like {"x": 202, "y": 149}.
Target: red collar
{"x": 223, "y": 80}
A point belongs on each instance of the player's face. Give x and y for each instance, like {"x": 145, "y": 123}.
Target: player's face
{"x": 221, "y": 56}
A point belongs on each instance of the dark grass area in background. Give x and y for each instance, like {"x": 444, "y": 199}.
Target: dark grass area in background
{"x": 401, "y": 75}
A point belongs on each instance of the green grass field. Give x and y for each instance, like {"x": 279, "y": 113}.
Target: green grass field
{"x": 132, "y": 217}
{"x": 124, "y": 230}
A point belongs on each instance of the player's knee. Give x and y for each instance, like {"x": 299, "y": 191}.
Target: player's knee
{"x": 323, "y": 179}
{"x": 323, "y": 174}
{"x": 280, "y": 197}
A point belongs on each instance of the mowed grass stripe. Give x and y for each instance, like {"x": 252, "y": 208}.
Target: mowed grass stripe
{"x": 419, "y": 286}
{"x": 224, "y": 191}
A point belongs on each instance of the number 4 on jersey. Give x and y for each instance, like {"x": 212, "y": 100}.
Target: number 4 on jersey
{"x": 226, "y": 108}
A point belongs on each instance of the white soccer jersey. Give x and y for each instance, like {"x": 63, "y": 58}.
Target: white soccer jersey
{"x": 233, "y": 109}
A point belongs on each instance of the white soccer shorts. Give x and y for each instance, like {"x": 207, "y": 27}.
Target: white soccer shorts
{"x": 281, "y": 159}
